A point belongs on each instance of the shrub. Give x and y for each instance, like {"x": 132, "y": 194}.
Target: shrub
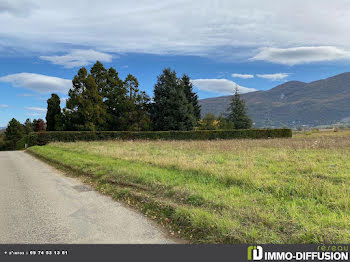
{"x": 43, "y": 138}
{"x": 6, "y": 145}
{"x": 20, "y": 144}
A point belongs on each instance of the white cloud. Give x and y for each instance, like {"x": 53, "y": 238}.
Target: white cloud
{"x": 36, "y": 109}
{"x": 3, "y": 106}
{"x": 16, "y": 8}
{"x": 300, "y": 55}
{"x": 77, "y": 58}
{"x": 35, "y": 114}
{"x": 39, "y": 83}
{"x": 244, "y": 76}
{"x": 273, "y": 77}
{"x": 222, "y": 86}
{"x": 225, "y": 28}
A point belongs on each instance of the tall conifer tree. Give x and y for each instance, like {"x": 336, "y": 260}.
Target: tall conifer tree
{"x": 192, "y": 97}
{"x": 54, "y": 114}
{"x": 114, "y": 99}
{"x": 171, "y": 109}
{"x": 85, "y": 109}
{"x": 238, "y": 112}
{"x": 136, "y": 116}
{"x": 99, "y": 72}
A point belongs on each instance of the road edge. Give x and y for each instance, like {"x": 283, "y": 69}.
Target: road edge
{"x": 149, "y": 207}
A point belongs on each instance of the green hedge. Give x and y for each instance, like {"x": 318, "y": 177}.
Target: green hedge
{"x": 70, "y": 136}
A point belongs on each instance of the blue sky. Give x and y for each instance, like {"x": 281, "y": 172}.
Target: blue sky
{"x": 218, "y": 44}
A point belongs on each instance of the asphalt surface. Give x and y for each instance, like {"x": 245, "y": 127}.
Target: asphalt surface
{"x": 40, "y": 205}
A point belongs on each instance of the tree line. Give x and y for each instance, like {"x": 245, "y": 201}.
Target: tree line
{"x": 16, "y": 131}
{"x": 100, "y": 101}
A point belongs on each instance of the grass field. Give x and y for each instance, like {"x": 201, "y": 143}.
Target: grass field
{"x": 294, "y": 190}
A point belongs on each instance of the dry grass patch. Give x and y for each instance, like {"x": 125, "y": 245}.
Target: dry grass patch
{"x": 228, "y": 191}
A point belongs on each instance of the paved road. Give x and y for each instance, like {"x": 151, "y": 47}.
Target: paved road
{"x": 40, "y": 205}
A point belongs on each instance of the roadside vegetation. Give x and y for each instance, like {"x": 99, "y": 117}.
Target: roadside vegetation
{"x": 14, "y": 136}
{"x": 293, "y": 190}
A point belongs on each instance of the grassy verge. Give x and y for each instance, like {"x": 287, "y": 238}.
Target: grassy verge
{"x": 234, "y": 191}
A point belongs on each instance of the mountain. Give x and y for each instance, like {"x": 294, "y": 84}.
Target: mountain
{"x": 294, "y": 103}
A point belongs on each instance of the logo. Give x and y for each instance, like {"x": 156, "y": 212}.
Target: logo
{"x": 255, "y": 253}
{"x": 330, "y": 253}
